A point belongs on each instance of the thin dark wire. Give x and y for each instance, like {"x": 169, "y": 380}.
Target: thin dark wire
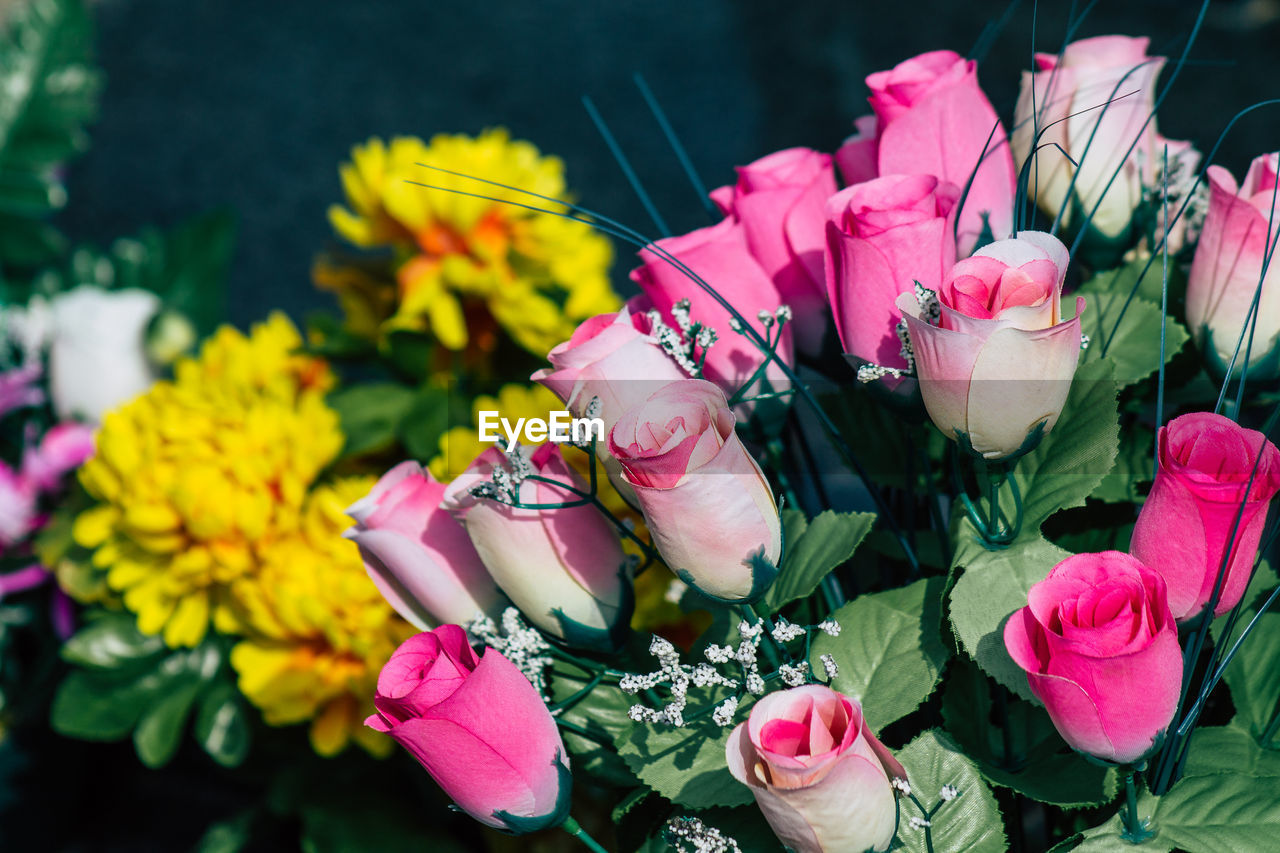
{"x": 1270, "y": 249}
{"x": 625, "y": 165}
{"x": 1164, "y": 314}
{"x": 674, "y": 141}
{"x": 992, "y": 31}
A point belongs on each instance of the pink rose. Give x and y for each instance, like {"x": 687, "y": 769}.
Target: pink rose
{"x": 478, "y": 727}
{"x": 564, "y": 568}
{"x": 1100, "y": 648}
{"x": 421, "y": 560}
{"x": 932, "y": 118}
{"x": 882, "y": 236}
{"x": 779, "y": 200}
{"x": 1098, "y": 96}
{"x": 1228, "y": 266}
{"x": 63, "y": 448}
{"x": 996, "y": 369}
{"x": 817, "y": 772}
{"x": 720, "y": 256}
{"x": 704, "y": 499}
{"x": 18, "y": 515}
{"x": 18, "y": 389}
{"x": 1186, "y": 525}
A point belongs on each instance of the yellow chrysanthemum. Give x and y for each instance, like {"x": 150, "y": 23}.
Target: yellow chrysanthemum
{"x": 318, "y": 631}
{"x": 537, "y": 275}
{"x": 197, "y": 476}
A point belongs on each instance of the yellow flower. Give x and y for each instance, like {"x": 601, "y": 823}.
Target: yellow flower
{"x": 536, "y": 274}
{"x": 196, "y": 477}
{"x": 318, "y": 631}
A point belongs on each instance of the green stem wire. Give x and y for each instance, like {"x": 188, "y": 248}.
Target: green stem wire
{"x": 578, "y": 695}
{"x": 1272, "y": 728}
{"x": 575, "y": 829}
{"x": 602, "y": 740}
{"x": 1136, "y": 829}
{"x": 927, "y": 815}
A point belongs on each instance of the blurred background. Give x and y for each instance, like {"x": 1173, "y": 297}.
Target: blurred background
{"x": 252, "y": 105}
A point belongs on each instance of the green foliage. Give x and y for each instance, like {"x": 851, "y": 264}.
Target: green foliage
{"x": 1135, "y": 346}
{"x": 686, "y": 765}
{"x": 1133, "y": 467}
{"x": 603, "y": 714}
{"x": 1022, "y": 751}
{"x": 1253, "y": 676}
{"x": 971, "y": 822}
{"x": 889, "y": 651}
{"x": 126, "y": 682}
{"x": 813, "y": 549}
{"x": 1228, "y": 800}
{"x": 50, "y": 93}
{"x": 371, "y": 414}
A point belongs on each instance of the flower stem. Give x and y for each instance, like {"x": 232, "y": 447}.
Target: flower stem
{"x": 1136, "y": 829}
{"x": 575, "y": 829}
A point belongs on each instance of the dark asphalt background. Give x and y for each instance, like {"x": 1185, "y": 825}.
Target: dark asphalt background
{"x": 253, "y": 105}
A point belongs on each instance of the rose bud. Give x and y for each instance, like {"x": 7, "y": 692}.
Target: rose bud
{"x": 1100, "y": 648}
{"x": 19, "y": 515}
{"x": 612, "y": 358}
{"x": 1193, "y": 514}
{"x": 932, "y": 118}
{"x": 995, "y": 370}
{"x": 719, "y": 255}
{"x": 881, "y": 236}
{"x": 564, "y": 567}
{"x": 478, "y": 727}
{"x": 779, "y": 200}
{"x": 1228, "y": 266}
{"x": 1098, "y": 95}
{"x": 821, "y": 778}
{"x": 63, "y": 448}
{"x": 706, "y": 502}
{"x": 419, "y": 557}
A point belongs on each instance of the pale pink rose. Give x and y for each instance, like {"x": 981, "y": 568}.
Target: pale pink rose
{"x": 476, "y": 724}
{"x": 18, "y": 511}
{"x": 1100, "y": 648}
{"x": 1206, "y": 465}
{"x": 780, "y": 199}
{"x": 932, "y": 118}
{"x": 418, "y": 556}
{"x": 1228, "y": 266}
{"x": 998, "y": 365}
{"x": 720, "y": 256}
{"x": 821, "y": 778}
{"x": 704, "y": 499}
{"x": 564, "y": 568}
{"x": 882, "y": 237}
{"x": 1098, "y": 97}
{"x": 63, "y": 448}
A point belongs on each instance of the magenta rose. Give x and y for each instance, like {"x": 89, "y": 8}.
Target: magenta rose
{"x": 564, "y": 567}
{"x": 18, "y": 511}
{"x": 882, "y": 236}
{"x": 63, "y": 448}
{"x": 1228, "y": 266}
{"x": 932, "y": 118}
{"x": 997, "y": 366}
{"x": 1185, "y": 528}
{"x": 821, "y": 778}
{"x": 478, "y": 727}
{"x": 706, "y": 502}
{"x": 780, "y": 201}
{"x": 1100, "y": 648}
{"x": 718, "y": 254}
{"x": 418, "y": 556}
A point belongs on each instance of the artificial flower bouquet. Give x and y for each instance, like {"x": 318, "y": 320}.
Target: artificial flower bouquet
{"x": 920, "y": 501}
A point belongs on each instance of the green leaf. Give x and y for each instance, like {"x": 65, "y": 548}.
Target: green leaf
{"x": 1040, "y": 764}
{"x": 159, "y": 731}
{"x": 993, "y": 585}
{"x": 889, "y": 652}
{"x": 686, "y": 765}
{"x": 1133, "y": 466}
{"x": 222, "y": 725}
{"x": 817, "y": 548}
{"x": 226, "y": 836}
{"x": 971, "y": 822}
{"x": 112, "y": 642}
{"x": 1228, "y": 800}
{"x": 371, "y": 414}
{"x": 425, "y": 421}
{"x": 603, "y": 713}
{"x": 1253, "y": 676}
{"x": 51, "y": 93}
{"x": 1135, "y": 346}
